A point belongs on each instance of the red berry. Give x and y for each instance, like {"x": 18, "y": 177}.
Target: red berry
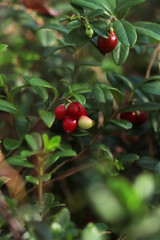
{"x": 129, "y": 116}
{"x": 60, "y": 112}
{"x": 69, "y": 124}
{"x": 106, "y": 45}
{"x": 137, "y": 117}
{"x": 76, "y": 110}
{"x": 141, "y": 117}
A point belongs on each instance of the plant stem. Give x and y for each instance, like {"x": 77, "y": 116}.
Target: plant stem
{"x": 40, "y": 185}
{"x": 156, "y": 51}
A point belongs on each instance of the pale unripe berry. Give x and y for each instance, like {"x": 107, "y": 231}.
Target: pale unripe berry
{"x": 85, "y": 122}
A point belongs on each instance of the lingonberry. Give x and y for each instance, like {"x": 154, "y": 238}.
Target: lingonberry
{"x": 60, "y": 112}
{"x": 129, "y": 116}
{"x": 76, "y": 110}
{"x": 137, "y": 117}
{"x": 85, "y": 122}
{"x": 141, "y": 117}
{"x": 69, "y": 124}
{"x": 106, "y": 45}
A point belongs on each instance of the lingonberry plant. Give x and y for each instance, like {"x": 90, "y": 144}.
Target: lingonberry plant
{"x": 80, "y": 122}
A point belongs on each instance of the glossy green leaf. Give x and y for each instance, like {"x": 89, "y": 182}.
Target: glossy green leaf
{"x": 152, "y": 87}
{"x": 48, "y": 200}
{"x": 32, "y": 180}
{"x": 100, "y": 28}
{"x": 125, "y": 80}
{"x": 104, "y": 99}
{"x": 54, "y": 143}
{"x": 122, "y": 123}
{"x": 125, "y": 32}
{"x": 93, "y": 4}
{"x": 80, "y": 98}
{"x": 118, "y": 96}
{"x": 11, "y": 144}
{"x": 52, "y": 50}
{"x": 95, "y": 13}
{"x": 148, "y": 29}
{"x": 76, "y": 35}
{"x": 34, "y": 141}
{"x": 9, "y": 107}
{"x": 47, "y": 117}
{"x": 120, "y": 53}
{"x": 42, "y": 92}
{"x": 22, "y": 126}
{"x": 18, "y": 160}
{"x": 80, "y": 88}
{"x": 123, "y": 4}
{"x": 56, "y": 26}
{"x": 38, "y": 82}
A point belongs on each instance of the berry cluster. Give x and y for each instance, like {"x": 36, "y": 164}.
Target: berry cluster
{"x": 75, "y": 115}
{"x": 137, "y": 117}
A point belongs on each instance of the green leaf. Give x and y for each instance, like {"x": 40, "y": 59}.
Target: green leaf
{"x": 122, "y": 123}
{"x": 33, "y": 180}
{"x": 152, "y": 87}
{"x": 47, "y": 117}
{"x": 148, "y": 29}
{"x": 46, "y": 177}
{"x": 9, "y": 107}
{"x": 95, "y": 13}
{"x": 123, "y": 4}
{"x": 80, "y": 98}
{"x": 128, "y": 159}
{"x": 91, "y": 232}
{"x": 54, "y": 143}
{"x": 126, "y": 195}
{"x": 80, "y": 88}
{"x": 148, "y": 106}
{"x": 94, "y": 4}
{"x": 48, "y": 200}
{"x": 63, "y": 218}
{"x": 42, "y": 92}
{"x": 38, "y": 82}
{"x": 56, "y": 26}
{"x": 22, "y": 126}
{"x": 34, "y": 141}
{"x": 100, "y": 28}
{"x": 120, "y": 53}
{"x": 54, "y": 49}
{"x": 125, "y": 32}
{"x": 74, "y": 24}
{"x": 125, "y": 80}
{"x": 3, "y": 47}
{"x": 18, "y": 160}
{"x": 104, "y": 99}
{"x": 11, "y": 144}
{"x": 76, "y": 35}
{"x": 118, "y": 96}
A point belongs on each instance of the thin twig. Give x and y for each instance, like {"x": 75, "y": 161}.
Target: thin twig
{"x": 156, "y": 51}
